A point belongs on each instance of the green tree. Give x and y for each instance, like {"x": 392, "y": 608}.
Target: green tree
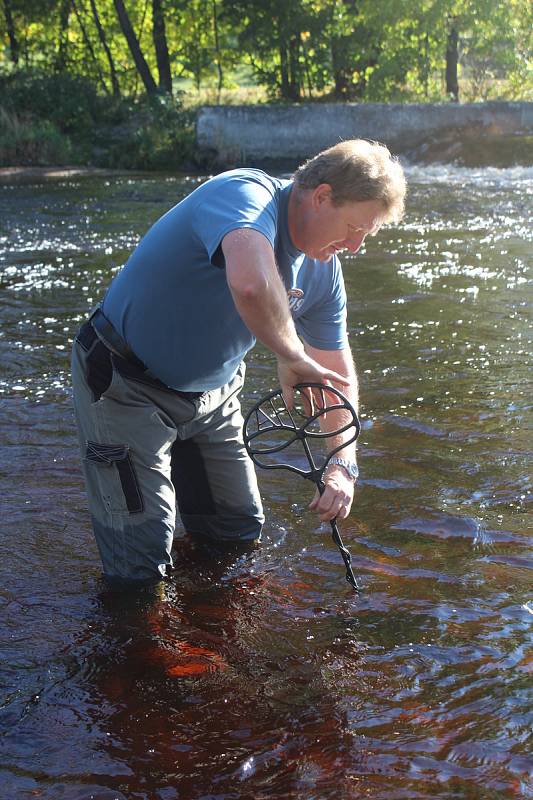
{"x": 355, "y": 43}
{"x": 270, "y": 36}
{"x": 362, "y": 50}
{"x": 496, "y": 44}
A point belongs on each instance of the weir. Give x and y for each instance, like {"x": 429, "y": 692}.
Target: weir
{"x": 473, "y": 134}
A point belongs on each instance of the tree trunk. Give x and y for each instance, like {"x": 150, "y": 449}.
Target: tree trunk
{"x": 89, "y": 46}
{"x": 452, "y": 59}
{"x": 195, "y": 55}
{"x": 62, "y": 47}
{"x": 339, "y": 69}
{"x": 284, "y": 67}
{"x": 425, "y": 70}
{"x": 161, "y": 49}
{"x": 14, "y": 49}
{"x": 294, "y": 68}
{"x": 109, "y": 56}
{"x": 135, "y": 49}
{"x": 307, "y": 70}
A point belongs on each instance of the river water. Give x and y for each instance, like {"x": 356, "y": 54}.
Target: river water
{"x": 260, "y": 674}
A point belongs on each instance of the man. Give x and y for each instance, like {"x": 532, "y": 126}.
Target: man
{"x": 158, "y": 368}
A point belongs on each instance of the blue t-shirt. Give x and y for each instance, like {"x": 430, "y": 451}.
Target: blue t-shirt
{"x": 172, "y": 304}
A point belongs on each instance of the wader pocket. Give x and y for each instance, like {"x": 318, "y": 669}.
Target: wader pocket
{"x": 109, "y": 454}
{"x": 99, "y": 370}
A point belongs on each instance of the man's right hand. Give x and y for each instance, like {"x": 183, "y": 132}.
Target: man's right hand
{"x": 305, "y": 370}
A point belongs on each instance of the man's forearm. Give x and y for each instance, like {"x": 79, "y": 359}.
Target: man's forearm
{"x": 336, "y": 499}
{"x": 342, "y": 362}
{"x": 261, "y": 300}
{"x": 336, "y": 420}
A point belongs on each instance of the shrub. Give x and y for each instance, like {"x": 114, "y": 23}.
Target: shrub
{"x": 28, "y": 142}
{"x": 70, "y": 102}
{"x": 156, "y": 134}
{"x": 60, "y": 118}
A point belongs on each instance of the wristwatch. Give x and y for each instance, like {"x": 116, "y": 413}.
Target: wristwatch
{"x": 350, "y": 467}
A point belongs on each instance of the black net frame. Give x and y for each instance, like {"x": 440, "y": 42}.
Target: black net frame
{"x": 271, "y": 415}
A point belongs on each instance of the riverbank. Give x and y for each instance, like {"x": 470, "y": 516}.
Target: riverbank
{"x": 32, "y": 174}
{"x": 469, "y": 135}
{"x": 62, "y": 120}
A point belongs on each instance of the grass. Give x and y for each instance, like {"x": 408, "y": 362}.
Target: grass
{"x": 239, "y": 96}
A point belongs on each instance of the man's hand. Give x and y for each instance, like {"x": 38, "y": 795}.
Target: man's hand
{"x": 336, "y": 500}
{"x": 305, "y": 370}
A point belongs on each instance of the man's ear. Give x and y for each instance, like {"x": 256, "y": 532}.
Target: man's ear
{"x": 321, "y": 194}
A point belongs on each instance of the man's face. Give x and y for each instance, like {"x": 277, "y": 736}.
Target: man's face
{"x": 331, "y": 229}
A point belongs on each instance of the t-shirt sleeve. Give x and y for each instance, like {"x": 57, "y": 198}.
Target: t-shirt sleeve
{"x": 324, "y": 325}
{"x": 237, "y": 202}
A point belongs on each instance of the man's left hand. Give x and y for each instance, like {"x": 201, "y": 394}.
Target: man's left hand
{"x": 336, "y": 499}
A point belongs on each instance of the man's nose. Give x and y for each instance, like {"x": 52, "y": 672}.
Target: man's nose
{"x": 354, "y": 242}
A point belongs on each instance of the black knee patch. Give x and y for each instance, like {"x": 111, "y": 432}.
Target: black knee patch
{"x": 189, "y": 476}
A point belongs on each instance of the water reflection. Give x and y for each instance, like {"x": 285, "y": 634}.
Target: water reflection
{"x": 259, "y": 674}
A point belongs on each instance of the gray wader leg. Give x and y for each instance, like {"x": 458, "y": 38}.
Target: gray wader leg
{"x": 138, "y": 443}
{"x": 213, "y": 475}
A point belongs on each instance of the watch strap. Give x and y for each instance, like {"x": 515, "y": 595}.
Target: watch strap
{"x": 350, "y": 467}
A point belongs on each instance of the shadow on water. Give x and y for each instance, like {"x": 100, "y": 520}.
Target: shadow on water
{"x": 258, "y": 674}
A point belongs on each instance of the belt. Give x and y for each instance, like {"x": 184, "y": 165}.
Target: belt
{"x": 128, "y": 364}
{"x": 113, "y": 340}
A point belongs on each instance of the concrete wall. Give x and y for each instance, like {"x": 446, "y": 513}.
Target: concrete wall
{"x": 254, "y": 134}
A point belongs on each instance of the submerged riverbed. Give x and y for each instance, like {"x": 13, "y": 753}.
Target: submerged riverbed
{"x": 261, "y": 675}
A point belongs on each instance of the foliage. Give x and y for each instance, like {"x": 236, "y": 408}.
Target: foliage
{"x": 32, "y": 143}
{"x": 69, "y": 101}
{"x": 156, "y": 134}
{"x": 498, "y": 48}
{"x": 93, "y": 69}
{"x": 371, "y": 50}
{"x": 60, "y": 118}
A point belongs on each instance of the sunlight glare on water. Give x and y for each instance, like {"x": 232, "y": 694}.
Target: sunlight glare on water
{"x": 261, "y": 674}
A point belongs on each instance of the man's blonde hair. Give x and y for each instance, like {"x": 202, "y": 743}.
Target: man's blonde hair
{"x": 357, "y": 170}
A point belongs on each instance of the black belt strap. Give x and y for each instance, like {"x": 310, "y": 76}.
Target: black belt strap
{"x": 114, "y": 340}
{"x": 131, "y": 365}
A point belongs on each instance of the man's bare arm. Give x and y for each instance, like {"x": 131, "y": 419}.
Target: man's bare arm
{"x": 337, "y": 498}
{"x": 261, "y": 300}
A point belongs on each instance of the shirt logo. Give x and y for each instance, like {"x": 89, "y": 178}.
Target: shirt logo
{"x": 295, "y": 296}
